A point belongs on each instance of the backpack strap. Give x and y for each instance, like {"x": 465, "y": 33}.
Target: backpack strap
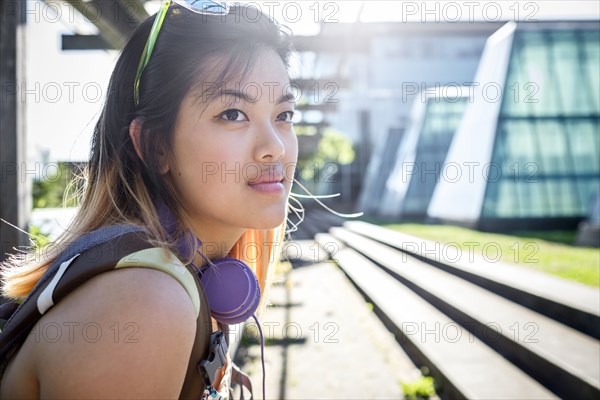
{"x": 109, "y": 248}
{"x": 165, "y": 261}
{"x": 87, "y": 242}
{"x": 7, "y": 309}
{"x": 92, "y": 254}
{"x": 194, "y": 384}
{"x": 243, "y": 380}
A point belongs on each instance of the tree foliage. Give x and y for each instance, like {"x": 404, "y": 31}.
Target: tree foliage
{"x": 334, "y": 147}
{"x": 51, "y": 189}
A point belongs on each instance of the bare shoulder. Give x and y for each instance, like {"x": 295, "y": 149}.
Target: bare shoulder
{"x": 124, "y": 333}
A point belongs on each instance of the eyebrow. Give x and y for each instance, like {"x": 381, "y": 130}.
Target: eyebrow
{"x": 289, "y": 97}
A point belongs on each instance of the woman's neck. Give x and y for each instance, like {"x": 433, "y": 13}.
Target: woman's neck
{"x": 217, "y": 241}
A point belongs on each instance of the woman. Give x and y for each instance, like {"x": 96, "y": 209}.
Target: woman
{"x": 195, "y": 144}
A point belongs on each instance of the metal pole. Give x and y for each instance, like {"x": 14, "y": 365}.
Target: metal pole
{"x": 15, "y": 192}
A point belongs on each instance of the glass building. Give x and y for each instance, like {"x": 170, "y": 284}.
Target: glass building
{"x": 419, "y": 158}
{"x": 529, "y": 144}
{"x": 376, "y": 176}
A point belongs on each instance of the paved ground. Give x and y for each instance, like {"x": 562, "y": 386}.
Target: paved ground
{"x": 323, "y": 341}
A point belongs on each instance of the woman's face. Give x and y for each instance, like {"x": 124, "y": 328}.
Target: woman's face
{"x": 233, "y": 159}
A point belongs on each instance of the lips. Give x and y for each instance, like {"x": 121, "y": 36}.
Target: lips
{"x": 271, "y": 183}
{"x": 270, "y": 177}
{"x": 265, "y": 180}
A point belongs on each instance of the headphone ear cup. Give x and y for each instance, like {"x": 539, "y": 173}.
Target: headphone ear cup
{"x": 232, "y": 290}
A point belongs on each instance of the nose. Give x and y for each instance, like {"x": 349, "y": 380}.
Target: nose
{"x": 269, "y": 144}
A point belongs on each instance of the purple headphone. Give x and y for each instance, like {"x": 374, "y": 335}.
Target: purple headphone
{"x": 231, "y": 287}
{"x": 232, "y": 290}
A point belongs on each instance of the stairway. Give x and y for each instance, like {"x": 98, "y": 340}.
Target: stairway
{"x": 486, "y": 330}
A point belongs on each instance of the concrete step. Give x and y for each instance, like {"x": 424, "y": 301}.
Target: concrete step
{"x": 561, "y": 358}
{"x": 571, "y": 303}
{"x": 316, "y": 221}
{"x": 461, "y": 362}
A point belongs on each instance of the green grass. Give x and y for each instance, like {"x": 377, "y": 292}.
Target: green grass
{"x": 421, "y": 388}
{"x": 549, "y": 252}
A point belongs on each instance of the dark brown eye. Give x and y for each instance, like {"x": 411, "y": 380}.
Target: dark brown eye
{"x": 233, "y": 115}
{"x": 287, "y": 116}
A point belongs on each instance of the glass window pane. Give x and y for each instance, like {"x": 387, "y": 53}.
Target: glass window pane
{"x": 537, "y": 199}
{"x": 500, "y": 151}
{"x": 524, "y": 192}
{"x": 568, "y": 202}
{"x": 520, "y": 145}
{"x": 512, "y": 104}
{"x": 553, "y": 193}
{"x": 507, "y": 205}
{"x": 583, "y": 136}
{"x": 537, "y": 59}
{"x": 591, "y": 43}
{"x": 567, "y": 71}
{"x": 554, "y": 149}
{"x": 491, "y": 200}
{"x": 562, "y": 198}
{"x": 588, "y": 187}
